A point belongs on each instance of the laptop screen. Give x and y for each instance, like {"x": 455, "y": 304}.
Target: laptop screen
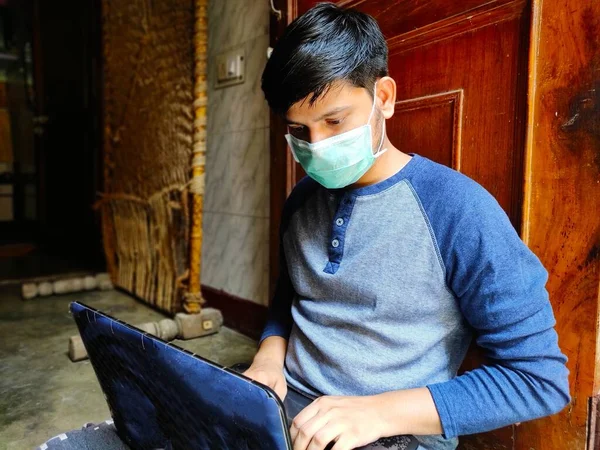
{"x": 163, "y": 397}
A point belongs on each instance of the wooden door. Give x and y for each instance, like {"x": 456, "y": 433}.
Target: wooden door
{"x": 465, "y": 71}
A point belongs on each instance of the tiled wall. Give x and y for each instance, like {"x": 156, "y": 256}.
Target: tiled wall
{"x": 236, "y": 219}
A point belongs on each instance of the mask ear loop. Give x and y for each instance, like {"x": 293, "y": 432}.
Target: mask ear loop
{"x": 379, "y": 151}
{"x": 374, "y": 101}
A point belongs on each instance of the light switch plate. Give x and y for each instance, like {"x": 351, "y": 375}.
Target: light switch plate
{"x": 230, "y": 68}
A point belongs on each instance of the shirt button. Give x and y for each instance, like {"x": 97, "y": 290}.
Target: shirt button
{"x": 339, "y": 222}
{"x": 335, "y": 243}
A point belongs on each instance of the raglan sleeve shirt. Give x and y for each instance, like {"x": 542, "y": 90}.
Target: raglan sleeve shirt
{"x": 499, "y": 285}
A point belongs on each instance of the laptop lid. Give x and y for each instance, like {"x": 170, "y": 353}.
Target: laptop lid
{"x": 164, "y": 397}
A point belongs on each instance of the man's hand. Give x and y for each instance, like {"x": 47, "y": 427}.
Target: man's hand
{"x": 270, "y": 373}
{"x": 350, "y": 421}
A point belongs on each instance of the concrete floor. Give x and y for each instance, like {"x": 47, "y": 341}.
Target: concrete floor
{"x": 42, "y": 393}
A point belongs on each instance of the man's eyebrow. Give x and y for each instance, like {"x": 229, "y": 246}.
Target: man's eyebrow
{"x": 333, "y": 112}
{"x": 330, "y": 113}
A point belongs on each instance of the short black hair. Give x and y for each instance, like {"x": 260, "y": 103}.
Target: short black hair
{"x": 324, "y": 45}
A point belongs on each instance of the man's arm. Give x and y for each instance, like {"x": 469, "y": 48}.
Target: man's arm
{"x": 527, "y": 379}
{"x": 267, "y": 366}
{"x": 410, "y": 411}
{"x": 499, "y": 285}
{"x": 279, "y": 321}
{"x": 268, "y": 363}
{"x": 272, "y": 348}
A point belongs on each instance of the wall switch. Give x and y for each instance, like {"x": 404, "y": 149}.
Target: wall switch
{"x": 230, "y": 68}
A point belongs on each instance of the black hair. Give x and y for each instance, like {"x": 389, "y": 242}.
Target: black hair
{"x": 324, "y": 45}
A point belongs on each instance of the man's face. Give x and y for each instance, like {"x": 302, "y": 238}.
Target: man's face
{"x": 342, "y": 108}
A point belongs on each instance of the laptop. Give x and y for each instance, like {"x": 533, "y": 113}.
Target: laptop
{"x": 162, "y": 396}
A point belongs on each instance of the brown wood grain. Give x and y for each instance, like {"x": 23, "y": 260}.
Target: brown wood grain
{"x": 484, "y": 65}
{"x": 400, "y": 17}
{"x": 562, "y": 199}
{"x": 433, "y": 122}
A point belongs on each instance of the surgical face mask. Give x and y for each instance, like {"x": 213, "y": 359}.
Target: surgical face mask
{"x": 340, "y": 160}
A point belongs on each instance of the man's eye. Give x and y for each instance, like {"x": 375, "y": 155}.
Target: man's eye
{"x": 297, "y": 129}
{"x": 334, "y": 121}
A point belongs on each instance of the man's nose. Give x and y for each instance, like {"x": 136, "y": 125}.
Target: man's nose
{"x": 316, "y": 136}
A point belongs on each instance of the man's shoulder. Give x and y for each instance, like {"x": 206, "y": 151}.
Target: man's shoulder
{"x": 303, "y": 191}
{"x": 442, "y": 189}
{"x": 455, "y": 204}
{"x": 467, "y": 222}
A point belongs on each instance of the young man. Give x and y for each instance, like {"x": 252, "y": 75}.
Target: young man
{"x": 390, "y": 263}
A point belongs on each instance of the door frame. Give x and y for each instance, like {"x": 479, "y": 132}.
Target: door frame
{"x": 283, "y": 167}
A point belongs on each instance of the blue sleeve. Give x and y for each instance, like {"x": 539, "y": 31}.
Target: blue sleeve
{"x": 279, "y": 319}
{"x": 500, "y": 286}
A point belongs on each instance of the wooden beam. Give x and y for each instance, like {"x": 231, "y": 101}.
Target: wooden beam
{"x": 561, "y": 214}
{"x": 193, "y": 298}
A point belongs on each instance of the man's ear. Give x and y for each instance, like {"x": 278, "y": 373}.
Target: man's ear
{"x": 386, "y": 93}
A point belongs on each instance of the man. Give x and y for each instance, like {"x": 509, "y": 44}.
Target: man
{"x": 390, "y": 263}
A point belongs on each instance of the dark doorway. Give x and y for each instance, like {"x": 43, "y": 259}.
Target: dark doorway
{"x": 50, "y": 137}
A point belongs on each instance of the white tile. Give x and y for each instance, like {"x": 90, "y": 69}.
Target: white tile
{"x": 217, "y": 229}
{"x": 217, "y": 197}
{"x": 247, "y": 258}
{"x": 248, "y": 173}
{"x": 215, "y": 104}
{"x": 233, "y": 22}
{"x": 216, "y": 19}
{"x": 241, "y": 106}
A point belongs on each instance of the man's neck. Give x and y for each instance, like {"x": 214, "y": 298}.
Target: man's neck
{"x": 388, "y": 164}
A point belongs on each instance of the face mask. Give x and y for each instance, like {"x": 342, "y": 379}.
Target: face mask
{"x": 340, "y": 160}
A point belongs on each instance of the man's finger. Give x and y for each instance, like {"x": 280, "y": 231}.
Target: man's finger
{"x": 306, "y": 433}
{"x": 303, "y": 416}
{"x": 343, "y": 443}
{"x": 323, "y": 437}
